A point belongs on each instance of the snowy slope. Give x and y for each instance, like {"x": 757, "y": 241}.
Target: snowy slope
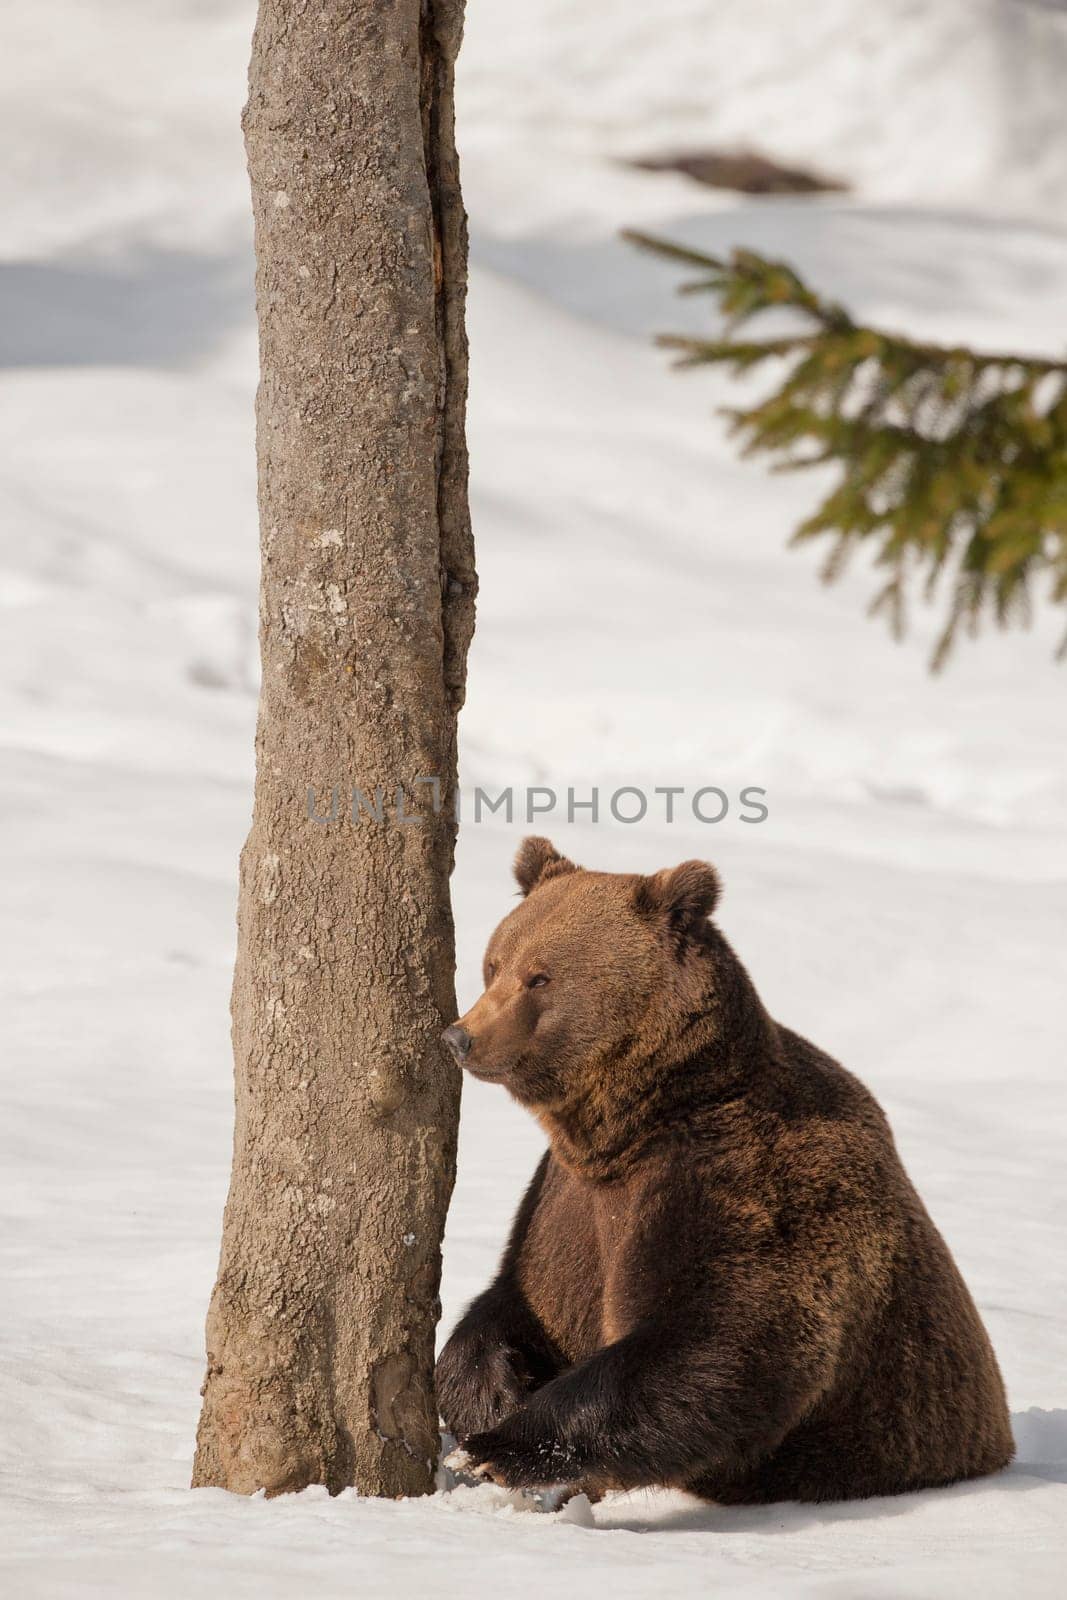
{"x": 958, "y": 101}
{"x": 640, "y": 622}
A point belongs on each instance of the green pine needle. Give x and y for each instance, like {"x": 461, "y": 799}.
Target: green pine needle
{"x": 952, "y": 462}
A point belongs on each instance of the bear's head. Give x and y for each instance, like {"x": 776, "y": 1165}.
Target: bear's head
{"x": 593, "y": 970}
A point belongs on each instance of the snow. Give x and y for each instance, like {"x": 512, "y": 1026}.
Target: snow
{"x": 640, "y": 623}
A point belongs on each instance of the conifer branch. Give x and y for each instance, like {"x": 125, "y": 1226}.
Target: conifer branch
{"x": 953, "y": 462}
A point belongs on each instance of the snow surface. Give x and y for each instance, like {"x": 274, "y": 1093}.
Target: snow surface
{"x": 640, "y": 622}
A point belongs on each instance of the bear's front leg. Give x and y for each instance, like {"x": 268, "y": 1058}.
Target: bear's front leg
{"x": 585, "y": 1427}
{"x": 646, "y": 1411}
{"x": 493, "y": 1361}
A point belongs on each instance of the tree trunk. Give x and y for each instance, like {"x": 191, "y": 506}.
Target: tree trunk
{"x": 320, "y": 1330}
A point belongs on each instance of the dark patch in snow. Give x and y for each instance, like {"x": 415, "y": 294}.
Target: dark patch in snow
{"x": 156, "y": 308}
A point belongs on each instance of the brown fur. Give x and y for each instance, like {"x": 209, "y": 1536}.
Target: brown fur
{"x": 720, "y": 1277}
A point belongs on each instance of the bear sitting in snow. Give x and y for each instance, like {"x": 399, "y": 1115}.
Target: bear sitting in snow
{"x": 720, "y": 1278}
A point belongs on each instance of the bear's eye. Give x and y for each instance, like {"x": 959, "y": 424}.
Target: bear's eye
{"x": 538, "y": 981}
{"x": 490, "y": 971}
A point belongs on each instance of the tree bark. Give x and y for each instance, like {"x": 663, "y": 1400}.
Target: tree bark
{"x": 320, "y": 1329}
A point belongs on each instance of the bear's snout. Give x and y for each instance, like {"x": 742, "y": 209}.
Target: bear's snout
{"x": 458, "y": 1041}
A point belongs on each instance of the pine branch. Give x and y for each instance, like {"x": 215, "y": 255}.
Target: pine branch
{"x": 952, "y": 462}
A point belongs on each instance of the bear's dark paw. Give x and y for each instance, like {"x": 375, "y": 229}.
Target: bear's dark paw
{"x": 518, "y": 1463}
{"x": 476, "y": 1387}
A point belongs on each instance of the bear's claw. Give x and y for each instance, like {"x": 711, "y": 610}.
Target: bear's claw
{"x": 551, "y": 1497}
{"x": 459, "y": 1461}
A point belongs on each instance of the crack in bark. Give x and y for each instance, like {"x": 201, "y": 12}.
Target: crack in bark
{"x": 439, "y": 37}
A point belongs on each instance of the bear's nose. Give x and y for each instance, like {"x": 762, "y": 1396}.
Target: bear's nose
{"x": 458, "y": 1041}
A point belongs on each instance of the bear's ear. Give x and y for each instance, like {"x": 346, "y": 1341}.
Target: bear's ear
{"x": 686, "y": 895}
{"x": 537, "y": 861}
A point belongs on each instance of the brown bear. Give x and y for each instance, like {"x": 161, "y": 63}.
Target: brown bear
{"x": 720, "y": 1278}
